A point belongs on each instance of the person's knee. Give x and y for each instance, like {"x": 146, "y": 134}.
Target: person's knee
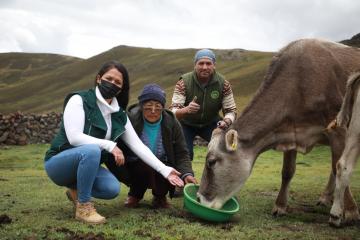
{"x": 112, "y": 190}
{"x": 92, "y": 149}
{"x": 91, "y": 152}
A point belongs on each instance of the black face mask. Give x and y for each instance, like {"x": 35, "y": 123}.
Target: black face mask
{"x": 108, "y": 90}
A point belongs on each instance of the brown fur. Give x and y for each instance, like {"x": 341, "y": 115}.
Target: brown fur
{"x": 344, "y": 116}
{"x": 301, "y": 93}
{"x": 305, "y": 79}
{"x": 344, "y": 209}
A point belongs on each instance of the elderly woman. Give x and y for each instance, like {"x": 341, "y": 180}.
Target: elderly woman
{"x": 93, "y": 122}
{"x": 161, "y": 132}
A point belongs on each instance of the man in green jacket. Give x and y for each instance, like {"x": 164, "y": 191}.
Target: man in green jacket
{"x": 161, "y": 132}
{"x": 199, "y": 96}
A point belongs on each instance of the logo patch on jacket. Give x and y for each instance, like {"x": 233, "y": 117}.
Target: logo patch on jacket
{"x": 215, "y": 94}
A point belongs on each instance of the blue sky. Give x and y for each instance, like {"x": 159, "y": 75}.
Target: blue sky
{"x": 84, "y": 28}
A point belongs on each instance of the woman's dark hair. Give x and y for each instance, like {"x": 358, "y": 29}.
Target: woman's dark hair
{"x": 123, "y": 97}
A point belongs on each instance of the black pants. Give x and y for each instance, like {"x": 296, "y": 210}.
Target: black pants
{"x": 144, "y": 177}
{"x": 190, "y": 133}
{"x": 139, "y": 177}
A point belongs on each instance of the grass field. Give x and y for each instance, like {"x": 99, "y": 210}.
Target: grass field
{"x": 38, "y": 209}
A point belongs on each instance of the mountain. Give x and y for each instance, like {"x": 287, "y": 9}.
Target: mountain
{"x": 38, "y": 83}
{"x": 354, "y": 41}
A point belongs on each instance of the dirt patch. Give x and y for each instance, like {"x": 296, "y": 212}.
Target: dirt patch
{"x": 291, "y": 228}
{"x": 146, "y": 217}
{"x": 3, "y": 179}
{"x": 71, "y": 235}
{"x": 26, "y": 211}
{"x": 302, "y": 209}
{"x": 5, "y": 219}
{"x": 30, "y": 238}
{"x": 184, "y": 215}
{"x": 227, "y": 226}
{"x": 142, "y": 233}
{"x": 87, "y": 236}
{"x": 267, "y": 194}
{"x": 345, "y": 238}
{"x": 63, "y": 230}
{"x": 311, "y": 214}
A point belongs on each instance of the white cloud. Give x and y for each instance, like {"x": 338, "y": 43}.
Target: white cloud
{"x": 86, "y": 28}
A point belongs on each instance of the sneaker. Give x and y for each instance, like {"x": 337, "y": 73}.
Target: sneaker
{"x": 132, "y": 202}
{"x": 86, "y": 213}
{"x": 160, "y": 202}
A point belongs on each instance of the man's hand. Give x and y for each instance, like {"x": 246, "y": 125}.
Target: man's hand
{"x": 193, "y": 107}
{"x": 174, "y": 178}
{"x": 118, "y": 155}
{"x": 190, "y": 179}
{"x": 224, "y": 124}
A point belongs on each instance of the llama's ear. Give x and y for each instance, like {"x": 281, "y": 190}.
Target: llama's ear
{"x": 231, "y": 140}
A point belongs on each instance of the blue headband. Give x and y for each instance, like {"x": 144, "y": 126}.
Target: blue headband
{"x": 205, "y": 53}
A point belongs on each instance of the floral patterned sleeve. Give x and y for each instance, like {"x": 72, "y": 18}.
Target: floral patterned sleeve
{"x": 228, "y": 103}
{"x": 179, "y": 97}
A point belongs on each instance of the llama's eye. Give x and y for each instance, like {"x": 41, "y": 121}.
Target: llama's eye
{"x": 211, "y": 163}
{"x": 211, "y": 160}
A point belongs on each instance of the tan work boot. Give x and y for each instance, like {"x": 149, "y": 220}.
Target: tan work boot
{"x": 86, "y": 212}
{"x": 72, "y": 196}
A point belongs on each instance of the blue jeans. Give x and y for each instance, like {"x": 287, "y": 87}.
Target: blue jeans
{"x": 190, "y": 133}
{"x": 79, "y": 168}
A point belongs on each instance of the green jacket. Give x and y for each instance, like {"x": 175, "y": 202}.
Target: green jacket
{"x": 209, "y": 97}
{"x": 173, "y": 140}
{"x": 95, "y": 125}
{"x": 172, "y": 137}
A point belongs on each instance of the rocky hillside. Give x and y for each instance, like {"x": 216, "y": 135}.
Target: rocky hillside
{"x": 354, "y": 41}
{"x": 38, "y": 83}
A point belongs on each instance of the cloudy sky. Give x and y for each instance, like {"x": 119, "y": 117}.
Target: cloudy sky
{"x": 84, "y": 28}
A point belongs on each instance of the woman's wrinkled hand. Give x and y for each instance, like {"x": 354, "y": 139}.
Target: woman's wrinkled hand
{"x": 174, "y": 178}
{"x": 332, "y": 125}
{"x": 190, "y": 179}
{"x": 118, "y": 156}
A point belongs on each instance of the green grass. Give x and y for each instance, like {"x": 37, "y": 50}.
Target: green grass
{"x": 39, "y": 209}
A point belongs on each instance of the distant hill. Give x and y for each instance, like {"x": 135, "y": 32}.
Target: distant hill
{"x": 38, "y": 83}
{"x": 354, "y": 41}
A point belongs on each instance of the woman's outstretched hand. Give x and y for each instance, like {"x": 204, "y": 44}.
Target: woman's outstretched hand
{"x": 174, "y": 178}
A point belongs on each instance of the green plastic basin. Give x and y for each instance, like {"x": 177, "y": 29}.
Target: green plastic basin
{"x": 206, "y": 213}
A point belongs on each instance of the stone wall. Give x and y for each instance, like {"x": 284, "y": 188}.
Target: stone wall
{"x": 21, "y": 129}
